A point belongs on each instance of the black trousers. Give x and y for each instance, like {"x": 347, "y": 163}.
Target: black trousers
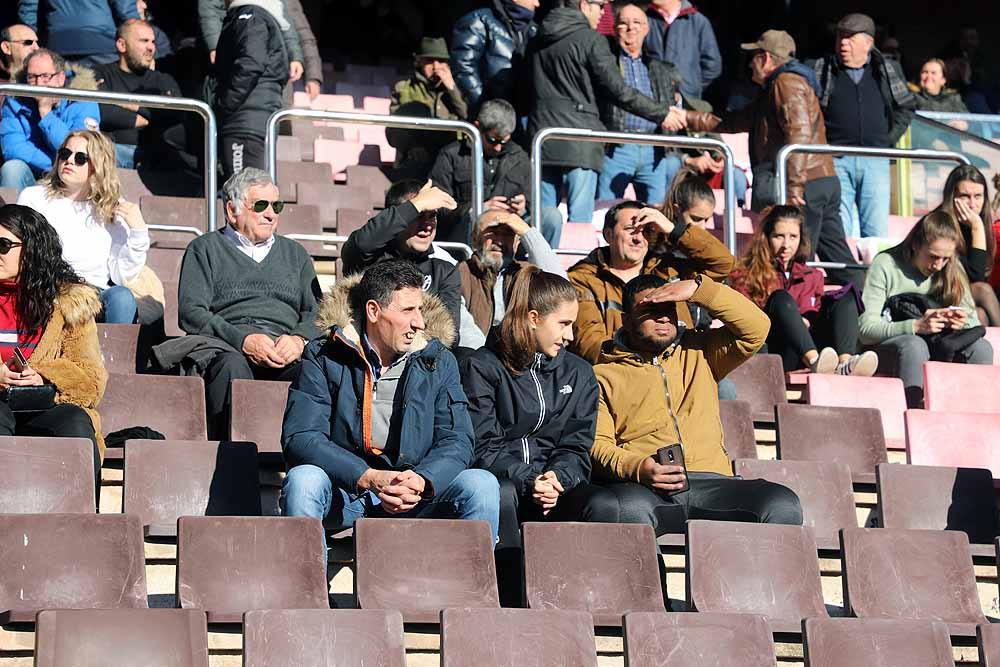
{"x": 836, "y": 326}
{"x": 710, "y": 496}
{"x": 65, "y": 420}
{"x": 825, "y": 230}
{"x": 240, "y": 150}
{"x": 221, "y": 371}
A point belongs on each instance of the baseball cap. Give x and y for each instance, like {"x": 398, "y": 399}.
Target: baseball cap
{"x": 776, "y": 42}
{"x": 855, "y": 23}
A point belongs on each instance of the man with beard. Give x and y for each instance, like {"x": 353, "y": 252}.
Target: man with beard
{"x": 659, "y": 386}
{"x": 137, "y": 130}
{"x": 496, "y": 239}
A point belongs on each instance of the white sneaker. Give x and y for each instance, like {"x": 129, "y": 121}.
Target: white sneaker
{"x": 861, "y": 365}
{"x": 826, "y": 362}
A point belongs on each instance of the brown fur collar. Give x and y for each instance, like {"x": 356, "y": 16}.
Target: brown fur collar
{"x": 335, "y": 311}
{"x": 83, "y": 78}
{"x": 78, "y": 303}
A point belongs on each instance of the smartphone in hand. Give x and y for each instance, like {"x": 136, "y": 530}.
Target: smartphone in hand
{"x": 673, "y": 455}
{"x": 17, "y": 362}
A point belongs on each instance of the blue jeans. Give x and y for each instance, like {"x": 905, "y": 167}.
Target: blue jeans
{"x": 16, "y": 174}
{"x": 580, "y": 184}
{"x": 552, "y": 226}
{"x": 308, "y": 491}
{"x": 637, "y": 164}
{"x": 125, "y": 155}
{"x": 118, "y": 305}
{"x": 864, "y": 183}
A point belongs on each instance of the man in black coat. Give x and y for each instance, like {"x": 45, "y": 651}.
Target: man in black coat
{"x": 572, "y": 70}
{"x": 139, "y": 133}
{"x": 506, "y": 172}
{"x": 251, "y": 68}
{"x": 405, "y": 229}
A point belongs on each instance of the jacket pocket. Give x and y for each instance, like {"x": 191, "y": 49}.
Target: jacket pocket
{"x": 458, "y": 405}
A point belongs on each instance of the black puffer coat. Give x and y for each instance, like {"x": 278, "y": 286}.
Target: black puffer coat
{"x": 541, "y": 420}
{"x": 251, "y": 68}
{"x": 572, "y": 70}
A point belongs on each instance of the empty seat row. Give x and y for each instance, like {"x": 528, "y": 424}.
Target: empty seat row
{"x": 487, "y": 637}
{"x": 230, "y": 565}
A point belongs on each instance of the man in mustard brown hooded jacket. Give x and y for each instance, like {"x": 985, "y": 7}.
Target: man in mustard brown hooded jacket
{"x": 659, "y": 386}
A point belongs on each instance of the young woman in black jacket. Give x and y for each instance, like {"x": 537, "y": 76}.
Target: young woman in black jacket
{"x": 534, "y": 409}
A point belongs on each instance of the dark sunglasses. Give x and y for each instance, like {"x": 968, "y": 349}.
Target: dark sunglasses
{"x": 79, "y": 159}
{"x": 497, "y": 141}
{"x": 6, "y": 244}
{"x": 261, "y": 205}
{"x": 24, "y": 42}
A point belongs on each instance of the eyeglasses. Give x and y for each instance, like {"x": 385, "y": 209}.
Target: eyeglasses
{"x": 79, "y": 159}
{"x": 261, "y": 205}
{"x": 497, "y": 141}
{"x": 23, "y": 42}
{"x": 41, "y": 78}
{"x": 6, "y": 244}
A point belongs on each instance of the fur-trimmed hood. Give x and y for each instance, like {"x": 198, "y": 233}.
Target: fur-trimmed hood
{"x": 78, "y": 303}
{"x": 79, "y": 77}
{"x": 335, "y": 311}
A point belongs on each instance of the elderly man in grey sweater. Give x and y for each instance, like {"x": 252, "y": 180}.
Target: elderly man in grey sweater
{"x": 247, "y": 298}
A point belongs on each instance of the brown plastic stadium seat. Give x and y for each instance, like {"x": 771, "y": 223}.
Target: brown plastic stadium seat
{"x": 737, "y": 429}
{"x": 847, "y": 435}
{"x": 988, "y": 636}
{"x": 303, "y": 172}
{"x": 960, "y": 439}
{"x": 614, "y": 574}
{"x": 121, "y": 638}
{"x": 289, "y": 149}
{"x": 824, "y": 488}
{"x": 132, "y": 186}
{"x": 174, "y": 406}
{"x": 118, "y": 346}
{"x": 350, "y": 219}
{"x": 69, "y": 561}
{"x": 961, "y": 387}
{"x": 939, "y": 498}
{"x": 875, "y": 642}
{"x": 177, "y": 212}
{"x": 303, "y": 219}
{"x": 750, "y": 568}
{"x": 370, "y": 177}
{"x": 925, "y": 574}
{"x": 421, "y": 566}
{"x": 331, "y": 198}
{"x": 502, "y": 637}
{"x": 231, "y": 565}
{"x": 46, "y": 475}
{"x": 168, "y": 479}
{"x": 760, "y": 381}
{"x": 8, "y": 195}
{"x": 307, "y": 637}
{"x": 845, "y": 391}
{"x": 166, "y": 264}
{"x": 697, "y": 640}
{"x": 258, "y": 408}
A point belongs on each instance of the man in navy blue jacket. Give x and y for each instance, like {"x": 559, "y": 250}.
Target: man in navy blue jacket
{"x": 82, "y": 30}
{"x": 377, "y": 423}
{"x": 680, "y": 34}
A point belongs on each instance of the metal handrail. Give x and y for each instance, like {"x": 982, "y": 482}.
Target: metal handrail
{"x": 969, "y": 117}
{"x": 781, "y": 171}
{"x": 155, "y": 101}
{"x": 411, "y": 122}
{"x": 333, "y": 239}
{"x": 667, "y": 141}
{"x": 175, "y": 228}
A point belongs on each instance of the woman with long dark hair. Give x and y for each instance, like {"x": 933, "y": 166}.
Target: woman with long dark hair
{"x": 967, "y": 200}
{"x": 104, "y": 237}
{"x": 47, "y": 314}
{"x": 809, "y": 328}
{"x": 534, "y": 409}
{"x": 923, "y": 270}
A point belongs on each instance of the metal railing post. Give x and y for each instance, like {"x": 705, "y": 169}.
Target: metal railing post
{"x": 781, "y": 171}
{"x": 155, "y": 101}
{"x": 667, "y": 141}
{"x": 410, "y": 122}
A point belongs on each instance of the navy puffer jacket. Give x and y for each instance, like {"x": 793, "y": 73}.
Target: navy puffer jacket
{"x": 486, "y": 51}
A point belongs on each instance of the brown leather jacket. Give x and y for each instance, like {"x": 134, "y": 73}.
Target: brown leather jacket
{"x": 786, "y": 112}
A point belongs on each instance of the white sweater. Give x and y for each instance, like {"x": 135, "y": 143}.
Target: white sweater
{"x": 98, "y": 253}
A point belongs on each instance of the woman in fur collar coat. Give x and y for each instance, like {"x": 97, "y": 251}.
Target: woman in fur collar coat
{"x": 47, "y": 312}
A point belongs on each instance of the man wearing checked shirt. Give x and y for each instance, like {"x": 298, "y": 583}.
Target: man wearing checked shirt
{"x": 649, "y": 169}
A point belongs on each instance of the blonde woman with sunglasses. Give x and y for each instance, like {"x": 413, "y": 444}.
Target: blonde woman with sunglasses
{"x": 104, "y": 237}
